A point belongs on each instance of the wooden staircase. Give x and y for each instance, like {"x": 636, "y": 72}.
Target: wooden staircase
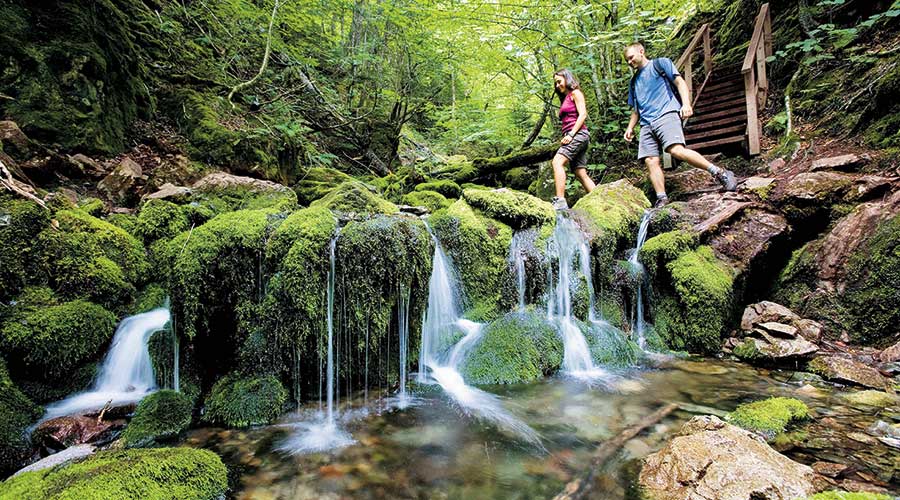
{"x": 727, "y": 100}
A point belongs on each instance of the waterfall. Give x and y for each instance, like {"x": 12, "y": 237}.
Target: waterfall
{"x": 323, "y": 436}
{"x": 403, "y": 327}
{"x": 638, "y": 269}
{"x": 566, "y": 244}
{"x": 442, "y": 323}
{"x": 126, "y": 375}
{"x": 517, "y": 248}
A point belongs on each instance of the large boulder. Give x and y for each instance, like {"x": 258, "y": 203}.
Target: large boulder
{"x": 847, "y": 370}
{"x": 237, "y": 401}
{"x": 518, "y": 347}
{"x": 517, "y": 209}
{"x": 17, "y": 412}
{"x": 122, "y": 184}
{"x": 158, "y": 417}
{"x": 20, "y": 223}
{"x": 224, "y": 192}
{"x": 355, "y": 198}
{"x": 711, "y": 459}
{"x": 317, "y": 182}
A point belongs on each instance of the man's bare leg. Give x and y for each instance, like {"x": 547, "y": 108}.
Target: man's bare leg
{"x": 657, "y": 180}
{"x": 585, "y": 179}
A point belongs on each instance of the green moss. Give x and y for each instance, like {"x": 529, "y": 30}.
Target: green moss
{"x": 355, "y": 197}
{"x": 158, "y": 417}
{"x": 50, "y": 343}
{"x": 876, "y": 399}
{"x": 20, "y": 223}
{"x": 747, "y": 350}
{"x": 614, "y": 209}
{"x": 769, "y": 416}
{"x": 316, "y": 182}
{"x": 151, "y": 297}
{"x": 518, "y": 347}
{"x": 92, "y": 206}
{"x": 518, "y": 210}
{"x": 99, "y": 279}
{"x": 445, "y": 187}
{"x": 429, "y": 199}
{"x": 695, "y": 314}
{"x": 479, "y": 248}
{"x": 160, "y": 219}
{"x": 664, "y": 248}
{"x": 843, "y": 495}
{"x": 241, "y": 402}
{"x": 128, "y": 222}
{"x": 609, "y": 347}
{"x": 150, "y": 474}
{"x": 17, "y": 412}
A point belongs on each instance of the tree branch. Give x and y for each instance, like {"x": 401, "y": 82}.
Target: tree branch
{"x": 265, "y": 61}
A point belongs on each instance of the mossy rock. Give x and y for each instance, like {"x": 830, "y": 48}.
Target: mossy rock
{"x": 609, "y": 346}
{"x": 769, "y": 416}
{"x": 52, "y": 342}
{"x": 518, "y": 210}
{"x": 431, "y": 200}
{"x": 664, "y": 248}
{"x": 236, "y": 401}
{"x": 445, "y": 187}
{"x": 151, "y": 297}
{"x": 309, "y": 225}
{"x": 17, "y": 412}
{"x": 20, "y": 223}
{"x": 479, "y": 248}
{"x": 160, "y": 219}
{"x": 613, "y": 209}
{"x": 149, "y": 474}
{"x": 93, "y": 207}
{"x": 158, "y": 417}
{"x": 875, "y": 399}
{"x": 693, "y": 315}
{"x": 317, "y": 182}
{"x": 843, "y": 495}
{"x": 518, "y": 347}
{"x": 354, "y": 197}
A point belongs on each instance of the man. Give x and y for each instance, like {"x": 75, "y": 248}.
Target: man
{"x": 654, "y": 103}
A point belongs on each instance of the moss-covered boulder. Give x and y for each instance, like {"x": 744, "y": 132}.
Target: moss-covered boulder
{"x": 50, "y": 343}
{"x": 613, "y": 210}
{"x": 843, "y": 495}
{"x": 479, "y": 248}
{"x": 609, "y": 346}
{"x": 694, "y": 308}
{"x": 20, "y": 223}
{"x": 236, "y": 401}
{"x": 768, "y": 416}
{"x": 445, "y": 187}
{"x": 518, "y": 347}
{"x": 316, "y": 182}
{"x": 514, "y": 208}
{"x": 160, "y": 219}
{"x": 224, "y": 192}
{"x": 17, "y": 412}
{"x": 354, "y": 197}
{"x": 664, "y": 248}
{"x": 158, "y": 417}
{"x": 431, "y": 200}
{"x": 151, "y": 474}
{"x": 870, "y": 398}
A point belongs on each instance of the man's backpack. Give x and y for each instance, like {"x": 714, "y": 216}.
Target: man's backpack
{"x": 661, "y": 72}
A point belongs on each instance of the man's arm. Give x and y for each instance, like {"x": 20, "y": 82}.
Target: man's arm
{"x": 629, "y": 132}
{"x": 686, "y": 109}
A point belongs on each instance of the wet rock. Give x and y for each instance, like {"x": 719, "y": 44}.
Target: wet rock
{"x": 878, "y": 399}
{"x": 847, "y": 370}
{"x": 772, "y": 349}
{"x": 71, "y": 453}
{"x": 170, "y": 192}
{"x": 842, "y": 162}
{"x": 766, "y": 311}
{"x": 779, "y": 329}
{"x": 810, "y": 391}
{"x": 712, "y": 459}
{"x": 221, "y": 181}
{"x": 891, "y": 354}
{"x": 700, "y": 368}
{"x": 120, "y": 186}
{"x": 407, "y": 209}
{"x": 63, "y": 432}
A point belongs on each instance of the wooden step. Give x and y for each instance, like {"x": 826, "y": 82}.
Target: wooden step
{"x": 693, "y": 126}
{"x": 705, "y": 117}
{"x": 716, "y": 85}
{"x": 717, "y": 142}
{"x": 723, "y": 93}
{"x": 717, "y": 105}
{"x": 707, "y": 134}
{"x": 706, "y": 100}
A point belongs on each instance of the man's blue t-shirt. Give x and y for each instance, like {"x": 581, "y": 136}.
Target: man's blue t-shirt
{"x": 652, "y": 92}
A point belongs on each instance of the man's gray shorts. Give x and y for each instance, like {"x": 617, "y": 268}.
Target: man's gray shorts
{"x": 664, "y": 131}
{"x": 576, "y": 151}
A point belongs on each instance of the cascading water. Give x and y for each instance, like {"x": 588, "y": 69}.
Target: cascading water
{"x": 403, "y": 328}
{"x": 517, "y": 251}
{"x": 567, "y": 243}
{"x": 126, "y": 375}
{"x": 443, "y": 322}
{"x": 323, "y": 436}
{"x": 638, "y": 269}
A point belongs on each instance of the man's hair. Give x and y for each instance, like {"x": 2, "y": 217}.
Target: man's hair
{"x": 635, "y": 45}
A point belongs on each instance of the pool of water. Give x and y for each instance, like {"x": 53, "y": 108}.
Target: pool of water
{"x": 431, "y": 449}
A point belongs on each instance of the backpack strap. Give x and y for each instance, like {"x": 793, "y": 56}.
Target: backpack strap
{"x": 661, "y": 72}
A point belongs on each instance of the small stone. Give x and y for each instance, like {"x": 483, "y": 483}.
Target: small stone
{"x": 811, "y": 392}
{"x": 766, "y": 311}
{"x": 891, "y": 354}
{"x": 776, "y": 165}
{"x": 861, "y": 438}
{"x": 829, "y": 469}
{"x": 809, "y": 329}
{"x": 842, "y": 162}
{"x": 168, "y": 191}
{"x": 779, "y": 329}
{"x": 120, "y": 185}
{"x": 637, "y": 448}
{"x": 758, "y": 182}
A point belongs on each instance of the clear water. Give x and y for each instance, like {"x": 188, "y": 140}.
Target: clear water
{"x": 126, "y": 375}
{"x": 639, "y": 325}
{"x": 434, "y": 450}
{"x": 518, "y": 249}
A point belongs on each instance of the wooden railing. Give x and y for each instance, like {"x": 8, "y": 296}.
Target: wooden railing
{"x": 684, "y": 64}
{"x": 756, "y": 85}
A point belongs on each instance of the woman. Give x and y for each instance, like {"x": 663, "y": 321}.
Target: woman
{"x": 574, "y": 144}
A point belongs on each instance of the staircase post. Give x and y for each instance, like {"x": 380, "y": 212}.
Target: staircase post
{"x": 707, "y": 52}
{"x": 753, "y": 128}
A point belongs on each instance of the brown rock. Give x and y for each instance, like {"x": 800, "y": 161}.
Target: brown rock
{"x": 14, "y": 141}
{"x": 87, "y": 165}
{"x": 757, "y": 183}
{"x": 766, "y": 311}
{"x": 170, "y": 192}
{"x": 121, "y": 185}
{"x": 714, "y": 460}
{"x": 891, "y": 354}
{"x": 842, "y": 162}
{"x": 63, "y": 432}
{"x": 775, "y": 349}
{"x": 779, "y": 329}
{"x": 776, "y": 165}
{"x": 809, "y": 329}
{"x": 868, "y": 187}
{"x": 847, "y": 370}
{"x": 829, "y": 469}
{"x": 221, "y": 180}
{"x": 690, "y": 181}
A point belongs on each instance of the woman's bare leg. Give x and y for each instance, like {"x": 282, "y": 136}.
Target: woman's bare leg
{"x": 585, "y": 179}
{"x": 559, "y": 174}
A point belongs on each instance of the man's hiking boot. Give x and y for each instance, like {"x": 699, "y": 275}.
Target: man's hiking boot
{"x": 661, "y": 202}
{"x": 726, "y": 179}
{"x": 559, "y": 203}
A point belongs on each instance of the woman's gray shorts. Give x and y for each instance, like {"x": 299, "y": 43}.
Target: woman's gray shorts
{"x": 576, "y": 151}
{"x": 665, "y": 131}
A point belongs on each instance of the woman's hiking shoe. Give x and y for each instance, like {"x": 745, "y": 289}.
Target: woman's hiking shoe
{"x": 726, "y": 179}
{"x": 559, "y": 203}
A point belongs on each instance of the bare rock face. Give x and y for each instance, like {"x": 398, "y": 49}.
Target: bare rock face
{"x": 63, "y": 432}
{"x": 766, "y": 311}
{"x": 690, "y": 181}
{"x": 169, "y": 192}
{"x": 847, "y": 370}
{"x": 712, "y": 460}
{"x": 122, "y": 184}
{"x": 221, "y": 180}
{"x": 841, "y": 162}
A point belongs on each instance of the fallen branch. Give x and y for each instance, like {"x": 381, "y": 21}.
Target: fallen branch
{"x": 7, "y": 181}
{"x": 579, "y": 488}
{"x": 106, "y": 408}
{"x": 265, "y": 61}
{"x": 4, "y": 96}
